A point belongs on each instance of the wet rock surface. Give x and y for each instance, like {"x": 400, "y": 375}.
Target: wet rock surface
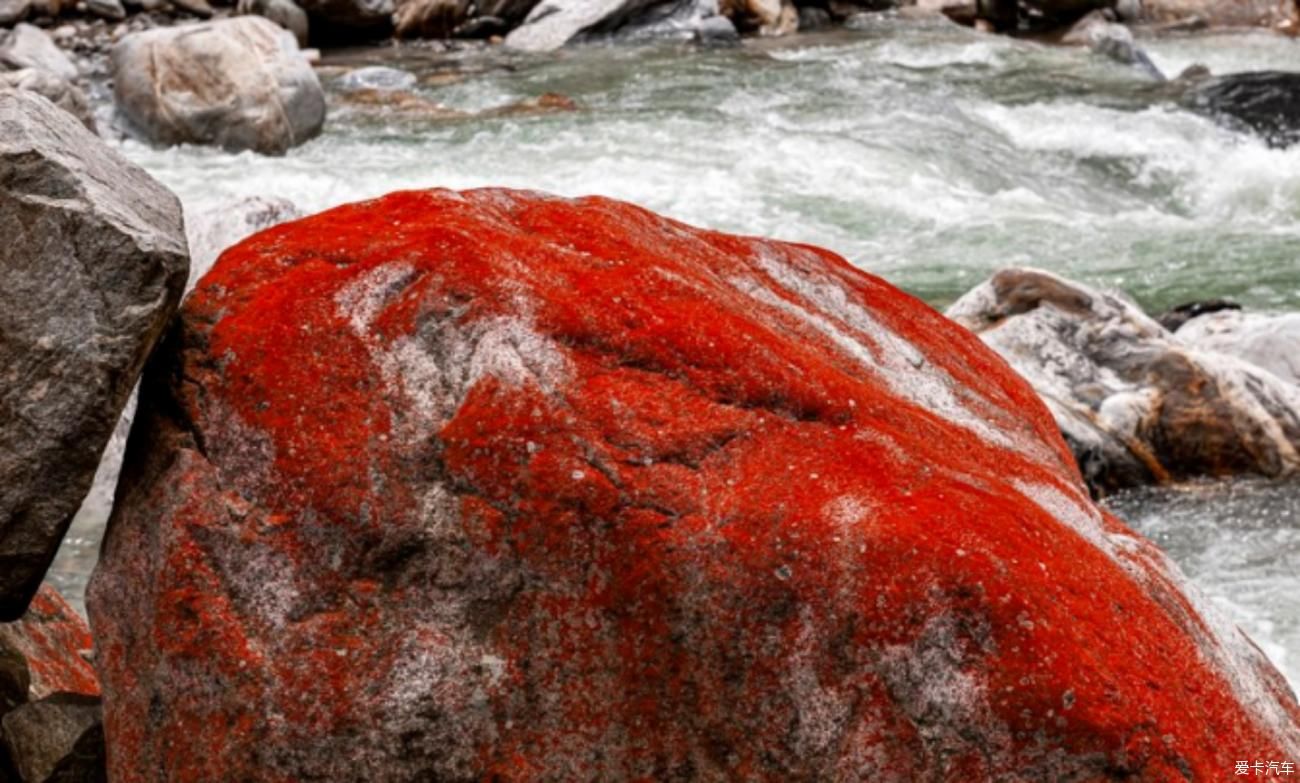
{"x": 1135, "y": 404}
{"x": 91, "y": 269}
{"x": 1264, "y": 102}
{"x": 454, "y": 486}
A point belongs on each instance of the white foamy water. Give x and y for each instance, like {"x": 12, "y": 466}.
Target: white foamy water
{"x": 923, "y": 152}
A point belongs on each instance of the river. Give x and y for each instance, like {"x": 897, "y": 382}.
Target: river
{"x": 925, "y": 153}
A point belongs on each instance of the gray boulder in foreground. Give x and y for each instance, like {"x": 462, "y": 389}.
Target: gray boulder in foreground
{"x": 240, "y": 84}
{"x": 91, "y": 268}
{"x": 1136, "y": 404}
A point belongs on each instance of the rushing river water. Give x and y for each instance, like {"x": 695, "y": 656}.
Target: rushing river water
{"x": 924, "y": 152}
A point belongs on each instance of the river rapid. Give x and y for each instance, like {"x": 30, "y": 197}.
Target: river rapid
{"x": 925, "y": 153}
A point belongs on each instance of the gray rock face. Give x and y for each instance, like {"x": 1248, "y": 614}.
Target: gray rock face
{"x": 1135, "y": 404}
{"x": 553, "y": 23}
{"x": 284, "y": 13}
{"x": 91, "y": 269}
{"x": 1111, "y": 40}
{"x": 240, "y": 84}
{"x": 30, "y": 47}
{"x": 60, "y": 92}
{"x": 107, "y": 9}
{"x": 1269, "y": 341}
{"x": 43, "y": 736}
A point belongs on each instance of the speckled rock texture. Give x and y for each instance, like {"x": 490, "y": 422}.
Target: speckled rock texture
{"x": 1267, "y": 340}
{"x": 50, "y": 728}
{"x": 498, "y": 486}
{"x": 92, "y": 265}
{"x": 1136, "y": 404}
{"x": 238, "y": 83}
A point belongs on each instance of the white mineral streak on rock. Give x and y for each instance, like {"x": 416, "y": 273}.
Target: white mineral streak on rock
{"x": 436, "y": 367}
{"x": 905, "y": 370}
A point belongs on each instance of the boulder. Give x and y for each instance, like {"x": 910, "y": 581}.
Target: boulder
{"x": 42, "y": 737}
{"x": 498, "y": 486}
{"x": 14, "y": 11}
{"x": 1264, "y": 102}
{"x": 50, "y": 728}
{"x": 238, "y": 83}
{"x": 47, "y": 651}
{"x": 28, "y": 46}
{"x": 554, "y": 23}
{"x": 1111, "y": 40}
{"x": 1269, "y": 341}
{"x": 1136, "y": 405}
{"x": 91, "y": 269}
{"x": 284, "y": 13}
{"x": 59, "y": 91}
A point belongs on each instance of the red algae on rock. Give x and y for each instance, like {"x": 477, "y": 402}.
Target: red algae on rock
{"x": 53, "y": 645}
{"x": 493, "y": 485}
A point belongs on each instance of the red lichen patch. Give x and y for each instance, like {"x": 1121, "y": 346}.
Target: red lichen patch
{"x": 55, "y": 643}
{"x": 490, "y": 485}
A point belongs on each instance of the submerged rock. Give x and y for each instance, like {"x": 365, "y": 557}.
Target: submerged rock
{"x": 1265, "y": 102}
{"x": 91, "y": 269}
{"x": 1136, "y": 405}
{"x": 492, "y": 485}
{"x": 239, "y": 83}
{"x": 1111, "y": 40}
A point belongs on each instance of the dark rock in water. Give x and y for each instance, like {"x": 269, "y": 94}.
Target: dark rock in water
{"x": 62, "y": 733}
{"x": 482, "y": 27}
{"x": 814, "y": 18}
{"x": 107, "y": 9}
{"x": 496, "y": 486}
{"x": 1175, "y": 317}
{"x": 91, "y": 268}
{"x": 284, "y": 13}
{"x": 239, "y": 83}
{"x": 685, "y": 19}
{"x": 1136, "y": 405}
{"x": 1265, "y": 102}
{"x": 59, "y": 91}
{"x": 349, "y": 20}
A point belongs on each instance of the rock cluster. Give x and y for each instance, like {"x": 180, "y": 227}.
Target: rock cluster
{"x": 494, "y": 485}
{"x": 1136, "y": 404}
{"x": 50, "y": 725}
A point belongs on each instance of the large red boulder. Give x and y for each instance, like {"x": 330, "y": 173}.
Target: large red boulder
{"x": 490, "y": 485}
